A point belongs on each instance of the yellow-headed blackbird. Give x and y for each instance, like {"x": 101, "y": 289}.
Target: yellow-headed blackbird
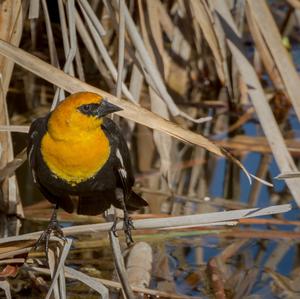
{"x": 80, "y": 160}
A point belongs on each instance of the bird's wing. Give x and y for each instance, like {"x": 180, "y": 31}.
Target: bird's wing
{"x": 37, "y": 130}
{"x": 122, "y": 157}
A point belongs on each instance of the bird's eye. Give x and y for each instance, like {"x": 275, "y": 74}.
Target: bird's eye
{"x": 86, "y": 108}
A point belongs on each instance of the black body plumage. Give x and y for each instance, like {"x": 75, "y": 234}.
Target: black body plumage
{"x": 96, "y": 194}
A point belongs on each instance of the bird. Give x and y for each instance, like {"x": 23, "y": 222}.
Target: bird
{"x": 80, "y": 161}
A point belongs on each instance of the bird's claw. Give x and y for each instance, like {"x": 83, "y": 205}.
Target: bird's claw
{"x": 113, "y": 229}
{"x": 53, "y": 227}
{"x": 127, "y": 227}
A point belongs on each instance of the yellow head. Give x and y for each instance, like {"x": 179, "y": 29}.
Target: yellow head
{"x": 75, "y": 147}
{"x": 78, "y": 114}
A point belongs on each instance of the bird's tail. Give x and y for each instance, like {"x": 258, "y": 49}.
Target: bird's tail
{"x": 135, "y": 202}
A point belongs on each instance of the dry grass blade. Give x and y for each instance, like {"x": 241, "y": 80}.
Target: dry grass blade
{"x": 219, "y": 223}
{"x": 62, "y": 259}
{"x": 288, "y": 175}
{"x": 34, "y": 9}
{"x": 264, "y": 51}
{"x": 241, "y": 143}
{"x": 13, "y": 261}
{"x": 131, "y": 111}
{"x": 261, "y": 172}
{"x": 206, "y": 219}
{"x": 93, "y": 17}
{"x": 136, "y": 83}
{"x": 9, "y": 249}
{"x": 121, "y": 48}
{"x": 62, "y": 284}
{"x": 12, "y": 128}
{"x": 201, "y": 12}
{"x": 261, "y": 180}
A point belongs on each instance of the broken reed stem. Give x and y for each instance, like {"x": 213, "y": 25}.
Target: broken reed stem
{"x": 121, "y": 48}
{"x": 111, "y": 214}
{"x": 120, "y": 266}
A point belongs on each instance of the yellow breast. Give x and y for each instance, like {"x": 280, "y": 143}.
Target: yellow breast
{"x": 76, "y": 160}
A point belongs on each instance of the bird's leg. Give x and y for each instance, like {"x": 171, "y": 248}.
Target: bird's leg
{"x": 127, "y": 223}
{"x": 53, "y": 227}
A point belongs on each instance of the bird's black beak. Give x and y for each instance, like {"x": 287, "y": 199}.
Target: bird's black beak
{"x": 106, "y": 108}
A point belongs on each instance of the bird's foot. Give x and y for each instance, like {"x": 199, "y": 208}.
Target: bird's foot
{"x": 44, "y": 239}
{"x": 53, "y": 227}
{"x": 127, "y": 227}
